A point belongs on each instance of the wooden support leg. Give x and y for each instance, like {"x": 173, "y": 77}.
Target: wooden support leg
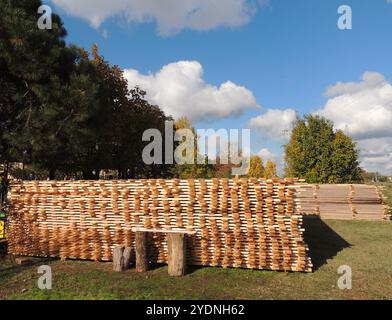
{"x": 141, "y": 252}
{"x": 121, "y": 258}
{"x": 117, "y": 259}
{"x": 176, "y": 254}
{"x": 127, "y": 257}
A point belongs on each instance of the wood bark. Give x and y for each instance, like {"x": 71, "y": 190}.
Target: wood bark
{"x": 121, "y": 258}
{"x": 176, "y": 254}
{"x": 141, "y": 252}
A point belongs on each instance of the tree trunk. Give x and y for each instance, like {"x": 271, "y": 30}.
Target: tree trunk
{"x": 127, "y": 257}
{"x": 141, "y": 252}
{"x": 176, "y": 244}
{"x": 117, "y": 259}
{"x": 121, "y": 258}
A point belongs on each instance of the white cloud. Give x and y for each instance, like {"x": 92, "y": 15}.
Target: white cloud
{"x": 370, "y": 80}
{"x": 376, "y": 155}
{"x": 171, "y": 16}
{"x": 275, "y": 123}
{"x": 266, "y": 155}
{"x": 180, "y": 90}
{"x": 364, "y": 111}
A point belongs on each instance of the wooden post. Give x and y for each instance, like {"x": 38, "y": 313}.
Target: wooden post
{"x": 127, "y": 257}
{"x": 141, "y": 252}
{"x": 117, "y": 259}
{"x": 121, "y": 258}
{"x": 176, "y": 243}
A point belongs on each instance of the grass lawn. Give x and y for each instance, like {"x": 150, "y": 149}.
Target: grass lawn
{"x": 365, "y": 246}
{"x": 388, "y": 194}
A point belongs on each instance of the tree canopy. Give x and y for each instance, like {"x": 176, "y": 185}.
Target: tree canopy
{"x": 64, "y": 111}
{"x": 319, "y": 154}
{"x": 256, "y": 167}
{"x": 197, "y": 169}
{"x": 270, "y": 170}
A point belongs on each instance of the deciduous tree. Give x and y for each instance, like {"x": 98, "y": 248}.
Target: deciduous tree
{"x": 256, "y": 168}
{"x": 270, "y": 171}
{"x": 319, "y": 154}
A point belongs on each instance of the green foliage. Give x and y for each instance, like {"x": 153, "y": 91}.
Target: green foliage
{"x": 121, "y": 118}
{"x": 373, "y": 177}
{"x": 61, "y": 111}
{"x": 270, "y": 170}
{"x": 256, "y": 168}
{"x": 387, "y": 191}
{"x": 31, "y": 62}
{"x": 318, "y": 154}
{"x": 196, "y": 170}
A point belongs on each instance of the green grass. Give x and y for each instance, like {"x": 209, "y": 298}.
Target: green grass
{"x": 365, "y": 246}
{"x": 388, "y": 194}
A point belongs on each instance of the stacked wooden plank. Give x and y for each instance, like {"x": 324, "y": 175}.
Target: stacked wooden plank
{"x": 350, "y": 201}
{"x": 236, "y": 223}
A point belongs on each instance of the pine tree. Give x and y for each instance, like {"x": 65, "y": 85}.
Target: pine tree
{"x": 36, "y": 68}
{"x": 64, "y": 112}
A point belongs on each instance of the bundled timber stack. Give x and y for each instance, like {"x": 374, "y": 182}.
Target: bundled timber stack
{"x": 235, "y": 223}
{"x": 308, "y": 198}
{"x": 350, "y": 201}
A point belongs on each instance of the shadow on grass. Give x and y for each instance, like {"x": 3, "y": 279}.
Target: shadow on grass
{"x": 11, "y": 268}
{"x": 189, "y": 268}
{"x": 153, "y": 266}
{"x": 324, "y": 243}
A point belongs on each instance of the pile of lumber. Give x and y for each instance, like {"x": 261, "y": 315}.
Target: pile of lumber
{"x": 234, "y": 223}
{"x": 349, "y": 201}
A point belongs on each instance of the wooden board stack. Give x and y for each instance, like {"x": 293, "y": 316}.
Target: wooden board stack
{"x": 354, "y": 201}
{"x": 237, "y": 223}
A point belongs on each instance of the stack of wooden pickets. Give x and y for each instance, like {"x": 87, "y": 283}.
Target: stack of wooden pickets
{"x": 236, "y": 223}
{"x": 354, "y": 201}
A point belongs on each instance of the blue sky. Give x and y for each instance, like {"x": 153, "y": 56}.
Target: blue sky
{"x": 284, "y": 54}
